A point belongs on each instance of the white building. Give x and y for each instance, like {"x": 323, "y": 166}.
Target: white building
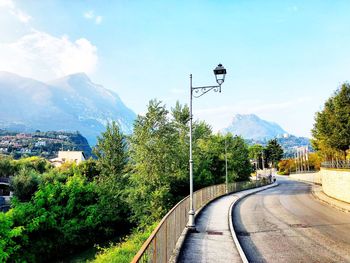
{"x": 68, "y": 156}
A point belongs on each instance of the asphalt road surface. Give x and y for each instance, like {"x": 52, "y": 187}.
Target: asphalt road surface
{"x": 287, "y": 224}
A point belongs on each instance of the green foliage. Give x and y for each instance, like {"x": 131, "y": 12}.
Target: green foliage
{"x": 7, "y": 169}
{"x": 125, "y": 251}
{"x": 89, "y": 169}
{"x": 154, "y": 151}
{"x": 239, "y": 158}
{"x": 273, "y": 152}
{"x": 159, "y": 151}
{"x": 255, "y": 151}
{"x": 35, "y": 163}
{"x": 111, "y": 151}
{"x": 134, "y": 179}
{"x": 331, "y": 131}
{"x": 58, "y": 211}
{"x": 8, "y": 235}
{"x": 25, "y": 184}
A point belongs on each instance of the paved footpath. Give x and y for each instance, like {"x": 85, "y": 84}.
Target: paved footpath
{"x": 213, "y": 242}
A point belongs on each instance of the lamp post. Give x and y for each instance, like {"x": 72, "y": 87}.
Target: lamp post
{"x": 196, "y": 92}
{"x": 226, "y": 176}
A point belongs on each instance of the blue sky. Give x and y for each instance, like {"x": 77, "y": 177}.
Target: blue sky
{"x": 284, "y": 58}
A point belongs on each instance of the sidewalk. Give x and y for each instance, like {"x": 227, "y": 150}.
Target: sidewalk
{"x": 320, "y": 195}
{"x": 213, "y": 242}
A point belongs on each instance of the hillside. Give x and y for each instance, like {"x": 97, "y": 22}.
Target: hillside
{"x": 45, "y": 144}
{"x": 72, "y": 103}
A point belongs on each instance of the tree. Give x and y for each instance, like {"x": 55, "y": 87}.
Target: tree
{"x": 153, "y": 151}
{"x": 274, "y": 152}
{"x": 7, "y": 168}
{"x": 255, "y": 153}
{"x": 25, "y": 184}
{"x": 210, "y": 160}
{"x": 111, "y": 151}
{"x": 331, "y": 131}
{"x": 240, "y": 163}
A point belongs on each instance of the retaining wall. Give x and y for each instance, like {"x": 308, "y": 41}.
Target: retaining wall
{"x": 308, "y": 177}
{"x": 335, "y": 182}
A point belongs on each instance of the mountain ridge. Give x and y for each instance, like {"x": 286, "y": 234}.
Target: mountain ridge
{"x": 250, "y": 126}
{"x": 70, "y": 103}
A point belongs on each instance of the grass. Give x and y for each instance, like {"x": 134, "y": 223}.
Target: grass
{"x": 125, "y": 251}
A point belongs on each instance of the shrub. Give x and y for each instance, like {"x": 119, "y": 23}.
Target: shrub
{"x": 25, "y": 184}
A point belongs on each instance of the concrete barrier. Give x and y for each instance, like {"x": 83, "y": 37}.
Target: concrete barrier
{"x": 335, "y": 182}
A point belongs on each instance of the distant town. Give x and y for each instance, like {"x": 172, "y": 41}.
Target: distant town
{"x": 44, "y": 144}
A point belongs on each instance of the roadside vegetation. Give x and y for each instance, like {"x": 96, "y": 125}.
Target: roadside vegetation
{"x": 331, "y": 133}
{"x": 268, "y": 156}
{"x": 133, "y": 182}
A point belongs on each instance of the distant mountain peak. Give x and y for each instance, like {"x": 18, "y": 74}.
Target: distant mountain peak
{"x": 79, "y": 77}
{"x": 250, "y": 126}
{"x": 245, "y": 116}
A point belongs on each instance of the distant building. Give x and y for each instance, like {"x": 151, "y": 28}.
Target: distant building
{"x": 68, "y": 156}
{"x": 40, "y": 143}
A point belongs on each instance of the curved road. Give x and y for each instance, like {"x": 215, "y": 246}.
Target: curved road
{"x": 287, "y": 224}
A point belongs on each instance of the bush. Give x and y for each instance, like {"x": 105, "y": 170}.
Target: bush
{"x": 25, "y": 184}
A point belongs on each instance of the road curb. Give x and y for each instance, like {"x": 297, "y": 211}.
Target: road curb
{"x": 230, "y": 214}
{"x": 325, "y": 201}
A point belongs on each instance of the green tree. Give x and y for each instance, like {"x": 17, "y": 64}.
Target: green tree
{"x": 331, "y": 131}
{"x": 8, "y": 236}
{"x": 111, "y": 151}
{"x": 240, "y": 163}
{"x": 210, "y": 160}
{"x": 157, "y": 163}
{"x": 7, "y": 168}
{"x": 273, "y": 152}
{"x": 25, "y": 184}
{"x": 255, "y": 153}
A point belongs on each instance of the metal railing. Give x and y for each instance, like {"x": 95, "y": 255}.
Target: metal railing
{"x": 337, "y": 164}
{"x": 161, "y": 243}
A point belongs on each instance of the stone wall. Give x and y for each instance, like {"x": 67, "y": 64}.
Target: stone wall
{"x": 335, "y": 182}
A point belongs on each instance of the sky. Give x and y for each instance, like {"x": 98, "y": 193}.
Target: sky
{"x": 283, "y": 58}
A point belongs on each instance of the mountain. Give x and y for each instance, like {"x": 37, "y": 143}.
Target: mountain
{"x": 71, "y": 103}
{"x": 250, "y": 126}
{"x": 257, "y": 131}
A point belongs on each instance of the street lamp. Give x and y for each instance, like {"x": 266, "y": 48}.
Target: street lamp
{"x": 226, "y": 176}
{"x": 197, "y": 92}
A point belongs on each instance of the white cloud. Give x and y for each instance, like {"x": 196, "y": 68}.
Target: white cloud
{"x": 43, "y": 56}
{"x": 90, "y": 15}
{"x": 15, "y": 11}
{"x": 98, "y": 20}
